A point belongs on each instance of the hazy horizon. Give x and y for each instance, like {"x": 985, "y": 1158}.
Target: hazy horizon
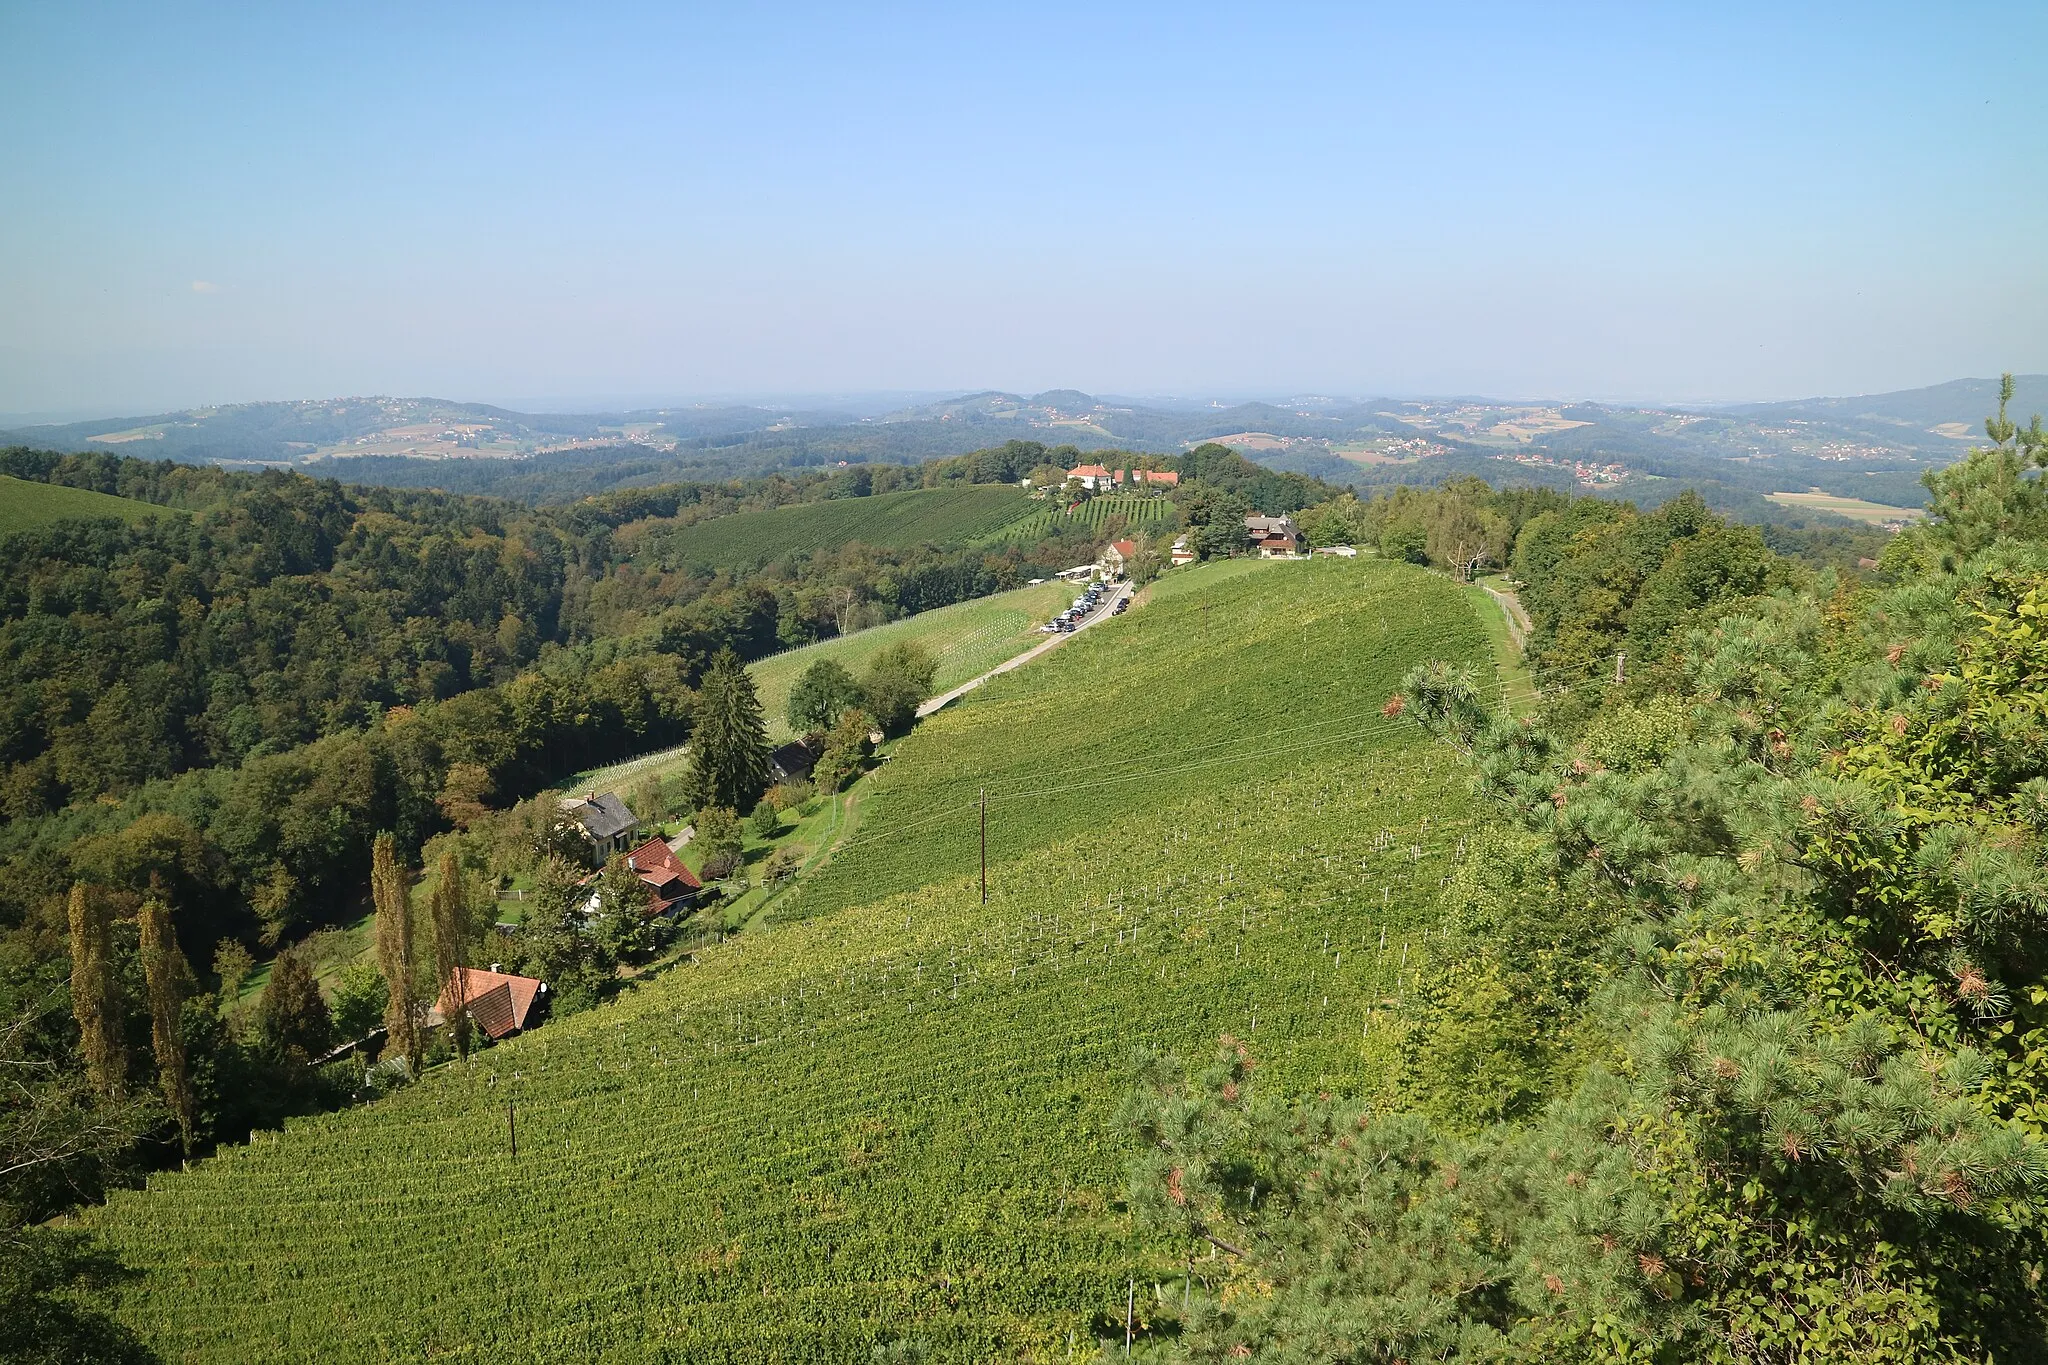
{"x": 538, "y": 210}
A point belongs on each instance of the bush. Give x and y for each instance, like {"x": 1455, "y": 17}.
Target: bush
{"x": 766, "y": 821}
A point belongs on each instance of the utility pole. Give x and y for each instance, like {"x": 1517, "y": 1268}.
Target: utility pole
{"x": 1620, "y": 677}
{"x": 984, "y": 845}
{"x": 512, "y": 1127}
{"x": 1130, "y": 1311}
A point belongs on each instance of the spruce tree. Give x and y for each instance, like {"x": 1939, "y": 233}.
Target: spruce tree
{"x": 165, "y": 972}
{"x": 729, "y": 747}
{"x": 391, "y": 890}
{"x": 449, "y": 907}
{"x": 95, "y": 999}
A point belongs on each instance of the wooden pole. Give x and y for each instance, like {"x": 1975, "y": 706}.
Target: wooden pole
{"x": 1130, "y": 1311}
{"x": 984, "y": 845}
{"x": 1619, "y": 676}
{"x": 512, "y": 1127}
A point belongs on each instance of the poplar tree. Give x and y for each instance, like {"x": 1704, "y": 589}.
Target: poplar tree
{"x": 729, "y": 746}
{"x": 449, "y": 907}
{"x": 95, "y": 1000}
{"x": 166, "y": 973}
{"x": 391, "y": 890}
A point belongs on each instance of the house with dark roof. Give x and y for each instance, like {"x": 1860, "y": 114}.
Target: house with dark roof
{"x": 792, "y": 762}
{"x": 499, "y": 1003}
{"x": 1273, "y": 536}
{"x": 604, "y": 821}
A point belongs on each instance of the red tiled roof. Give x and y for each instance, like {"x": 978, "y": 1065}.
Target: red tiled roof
{"x": 1088, "y": 471}
{"x": 1126, "y": 548}
{"x": 657, "y": 863}
{"x": 498, "y": 1001}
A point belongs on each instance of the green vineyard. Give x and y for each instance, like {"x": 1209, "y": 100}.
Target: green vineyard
{"x": 893, "y": 1122}
{"x": 937, "y": 516}
{"x": 1142, "y": 515}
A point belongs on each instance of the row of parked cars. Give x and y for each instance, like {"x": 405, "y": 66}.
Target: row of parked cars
{"x": 1084, "y": 604}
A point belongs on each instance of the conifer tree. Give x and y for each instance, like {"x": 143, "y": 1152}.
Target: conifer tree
{"x": 391, "y": 890}
{"x": 167, "y": 975}
{"x": 95, "y": 999}
{"x": 293, "y": 1018}
{"x": 450, "y": 910}
{"x": 729, "y": 747}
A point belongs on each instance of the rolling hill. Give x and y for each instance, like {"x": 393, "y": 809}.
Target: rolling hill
{"x": 25, "y": 504}
{"x": 893, "y": 1122}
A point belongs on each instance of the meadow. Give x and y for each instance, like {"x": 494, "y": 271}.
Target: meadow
{"x": 894, "y": 1123}
{"x": 1856, "y": 509}
{"x": 936, "y": 516}
{"x": 25, "y": 505}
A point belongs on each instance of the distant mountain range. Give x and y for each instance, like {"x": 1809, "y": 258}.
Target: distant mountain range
{"x": 1871, "y": 448}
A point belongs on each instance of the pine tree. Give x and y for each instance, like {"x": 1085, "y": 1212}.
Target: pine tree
{"x": 167, "y": 975}
{"x": 95, "y": 999}
{"x": 449, "y": 907}
{"x": 729, "y": 747}
{"x": 391, "y": 890}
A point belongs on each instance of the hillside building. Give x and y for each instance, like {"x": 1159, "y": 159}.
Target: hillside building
{"x": 1273, "y": 537}
{"x": 1092, "y": 477}
{"x": 604, "y": 821}
{"x": 497, "y": 1002}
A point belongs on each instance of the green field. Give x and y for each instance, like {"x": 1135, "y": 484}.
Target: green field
{"x": 25, "y": 505}
{"x": 938, "y": 516}
{"x": 966, "y": 640}
{"x": 1142, "y": 515}
{"x": 1856, "y": 509}
{"x": 892, "y": 1122}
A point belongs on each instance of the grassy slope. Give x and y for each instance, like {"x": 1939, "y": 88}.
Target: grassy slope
{"x": 25, "y": 504}
{"x": 895, "y": 1120}
{"x": 940, "y": 516}
{"x": 966, "y": 639}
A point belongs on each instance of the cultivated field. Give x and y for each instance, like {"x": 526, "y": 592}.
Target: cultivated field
{"x": 26, "y": 504}
{"x": 1856, "y": 509}
{"x": 938, "y": 516}
{"x": 893, "y": 1124}
{"x": 1143, "y": 515}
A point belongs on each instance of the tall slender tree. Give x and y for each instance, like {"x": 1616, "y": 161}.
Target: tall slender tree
{"x": 95, "y": 998}
{"x": 729, "y": 746}
{"x": 167, "y": 976}
{"x": 449, "y": 908}
{"x": 391, "y": 890}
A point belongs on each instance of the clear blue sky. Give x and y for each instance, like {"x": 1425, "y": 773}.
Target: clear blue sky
{"x": 617, "y": 203}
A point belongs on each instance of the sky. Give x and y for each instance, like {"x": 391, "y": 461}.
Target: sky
{"x": 600, "y": 205}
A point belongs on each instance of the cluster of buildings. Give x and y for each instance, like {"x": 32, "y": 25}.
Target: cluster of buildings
{"x": 1096, "y": 479}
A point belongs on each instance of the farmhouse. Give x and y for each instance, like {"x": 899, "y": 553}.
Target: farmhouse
{"x": 1183, "y": 553}
{"x": 1092, "y": 477}
{"x": 603, "y": 820}
{"x": 672, "y": 888}
{"x": 500, "y": 1003}
{"x": 1273, "y": 536}
{"x": 792, "y": 762}
{"x": 1157, "y": 478}
{"x": 1116, "y": 555}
